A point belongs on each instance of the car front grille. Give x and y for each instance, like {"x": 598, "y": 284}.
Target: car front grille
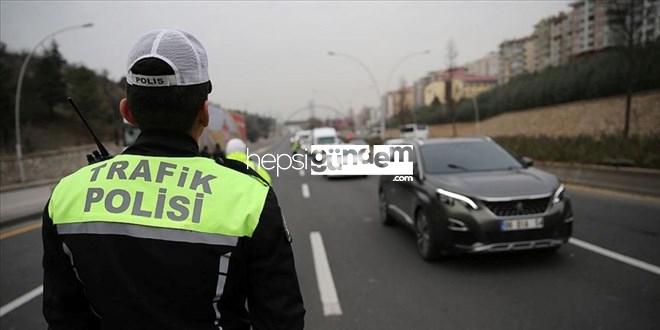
{"x": 518, "y": 207}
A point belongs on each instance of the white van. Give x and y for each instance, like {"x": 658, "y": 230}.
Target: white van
{"x": 414, "y": 131}
{"x": 325, "y": 135}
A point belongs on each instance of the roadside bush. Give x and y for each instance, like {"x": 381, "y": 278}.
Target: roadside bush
{"x": 638, "y": 151}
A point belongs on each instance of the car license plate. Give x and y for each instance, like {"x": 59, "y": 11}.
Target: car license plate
{"x": 521, "y": 224}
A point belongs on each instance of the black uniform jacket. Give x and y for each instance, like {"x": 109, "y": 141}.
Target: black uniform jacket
{"x": 98, "y": 281}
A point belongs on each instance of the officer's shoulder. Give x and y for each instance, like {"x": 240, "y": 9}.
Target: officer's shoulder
{"x": 240, "y": 167}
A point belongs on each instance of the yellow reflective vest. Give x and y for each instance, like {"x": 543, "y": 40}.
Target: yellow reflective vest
{"x": 196, "y": 195}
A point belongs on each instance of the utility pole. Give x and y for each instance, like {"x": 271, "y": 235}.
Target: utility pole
{"x": 402, "y": 95}
{"x": 475, "y": 104}
{"x": 451, "y": 55}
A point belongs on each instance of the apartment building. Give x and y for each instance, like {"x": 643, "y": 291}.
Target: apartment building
{"x": 649, "y": 19}
{"x": 590, "y": 28}
{"x": 561, "y": 36}
{"x": 516, "y": 56}
{"x": 485, "y": 66}
{"x": 543, "y": 44}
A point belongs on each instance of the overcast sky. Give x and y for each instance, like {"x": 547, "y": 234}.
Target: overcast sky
{"x": 271, "y": 57}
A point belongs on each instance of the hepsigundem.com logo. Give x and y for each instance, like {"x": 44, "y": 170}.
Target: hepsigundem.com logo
{"x": 342, "y": 159}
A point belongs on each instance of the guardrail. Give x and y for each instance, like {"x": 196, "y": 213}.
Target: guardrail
{"x": 634, "y": 180}
{"x": 46, "y": 165}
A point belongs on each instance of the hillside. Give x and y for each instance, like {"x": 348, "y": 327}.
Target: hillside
{"x": 47, "y": 121}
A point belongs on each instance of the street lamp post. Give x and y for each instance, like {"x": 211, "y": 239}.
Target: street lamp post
{"x": 19, "y": 86}
{"x": 383, "y": 110}
{"x": 396, "y": 67}
{"x": 383, "y": 115}
{"x": 400, "y": 61}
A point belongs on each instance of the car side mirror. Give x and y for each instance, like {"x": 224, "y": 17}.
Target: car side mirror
{"x": 416, "y": 174}
{"x": 527, "y": 162}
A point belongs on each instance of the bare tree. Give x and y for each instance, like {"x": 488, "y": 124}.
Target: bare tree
{"x": 450, "y": 60}
{"x": 403, "y": 106}
{"x": 626, "y": 18}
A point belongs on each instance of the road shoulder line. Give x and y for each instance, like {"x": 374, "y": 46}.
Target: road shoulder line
{"x": 20, "y": 301}
{"x": 616, "y": 256}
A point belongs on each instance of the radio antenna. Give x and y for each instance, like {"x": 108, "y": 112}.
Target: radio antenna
{"x": 102, "y": 150}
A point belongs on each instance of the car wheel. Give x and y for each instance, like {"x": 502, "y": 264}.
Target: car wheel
{"x": 385, "y": 218}
{"x": 428, "y": 244}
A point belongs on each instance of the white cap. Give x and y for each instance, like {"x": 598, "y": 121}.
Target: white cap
{"x": 180, "y": 50}
{"x": 235, "y": 145}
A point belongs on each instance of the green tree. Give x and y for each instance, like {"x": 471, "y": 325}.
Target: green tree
{"x": 50, "y": 82}
{"x": 6, "y": 98}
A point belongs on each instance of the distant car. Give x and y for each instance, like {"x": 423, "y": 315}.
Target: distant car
{"x": 469, "y": 195}
{"x": 394, "y": 141}
{"x": 300, "y": 141}
{"x": 414, "y": 131}
{"x": 354, "y": 141}
{"x": 358, "y": 141}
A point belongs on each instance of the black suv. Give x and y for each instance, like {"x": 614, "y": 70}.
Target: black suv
{"x": 469, "y": 195}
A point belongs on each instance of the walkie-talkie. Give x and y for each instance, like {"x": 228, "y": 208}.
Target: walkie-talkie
{"x": 97, "y": 155}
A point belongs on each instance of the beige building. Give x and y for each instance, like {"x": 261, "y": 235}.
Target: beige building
{"x": 418, "y": 91}
{"x": 402, "y": 99}
{"x": 530, "y": 54}
{"x": 464, "y": 85}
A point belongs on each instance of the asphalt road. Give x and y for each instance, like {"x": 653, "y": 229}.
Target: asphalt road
{"x": 381, "y": 283}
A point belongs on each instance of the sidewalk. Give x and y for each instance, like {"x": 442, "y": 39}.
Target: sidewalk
{"x": 21, "y": 204}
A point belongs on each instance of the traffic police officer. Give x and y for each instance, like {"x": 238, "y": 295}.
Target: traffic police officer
{"x": 237, "y": 150}
{"x": 158, "y": 237}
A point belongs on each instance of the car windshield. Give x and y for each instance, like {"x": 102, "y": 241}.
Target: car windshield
{"x": 466, "y": 156}
{"x": 326, "y": 140}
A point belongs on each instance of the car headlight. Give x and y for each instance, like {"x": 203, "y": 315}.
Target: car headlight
{"x": 559, "y": 194}
{"x": 448, "y": 197}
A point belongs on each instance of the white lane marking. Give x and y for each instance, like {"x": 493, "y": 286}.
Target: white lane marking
{"x": 302, "y": 172}
{"x": 616, "y": 256}
{"x": 326, "y": 284}
{"x": 18, "y": 302}
{"x": 305, "y": 190}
